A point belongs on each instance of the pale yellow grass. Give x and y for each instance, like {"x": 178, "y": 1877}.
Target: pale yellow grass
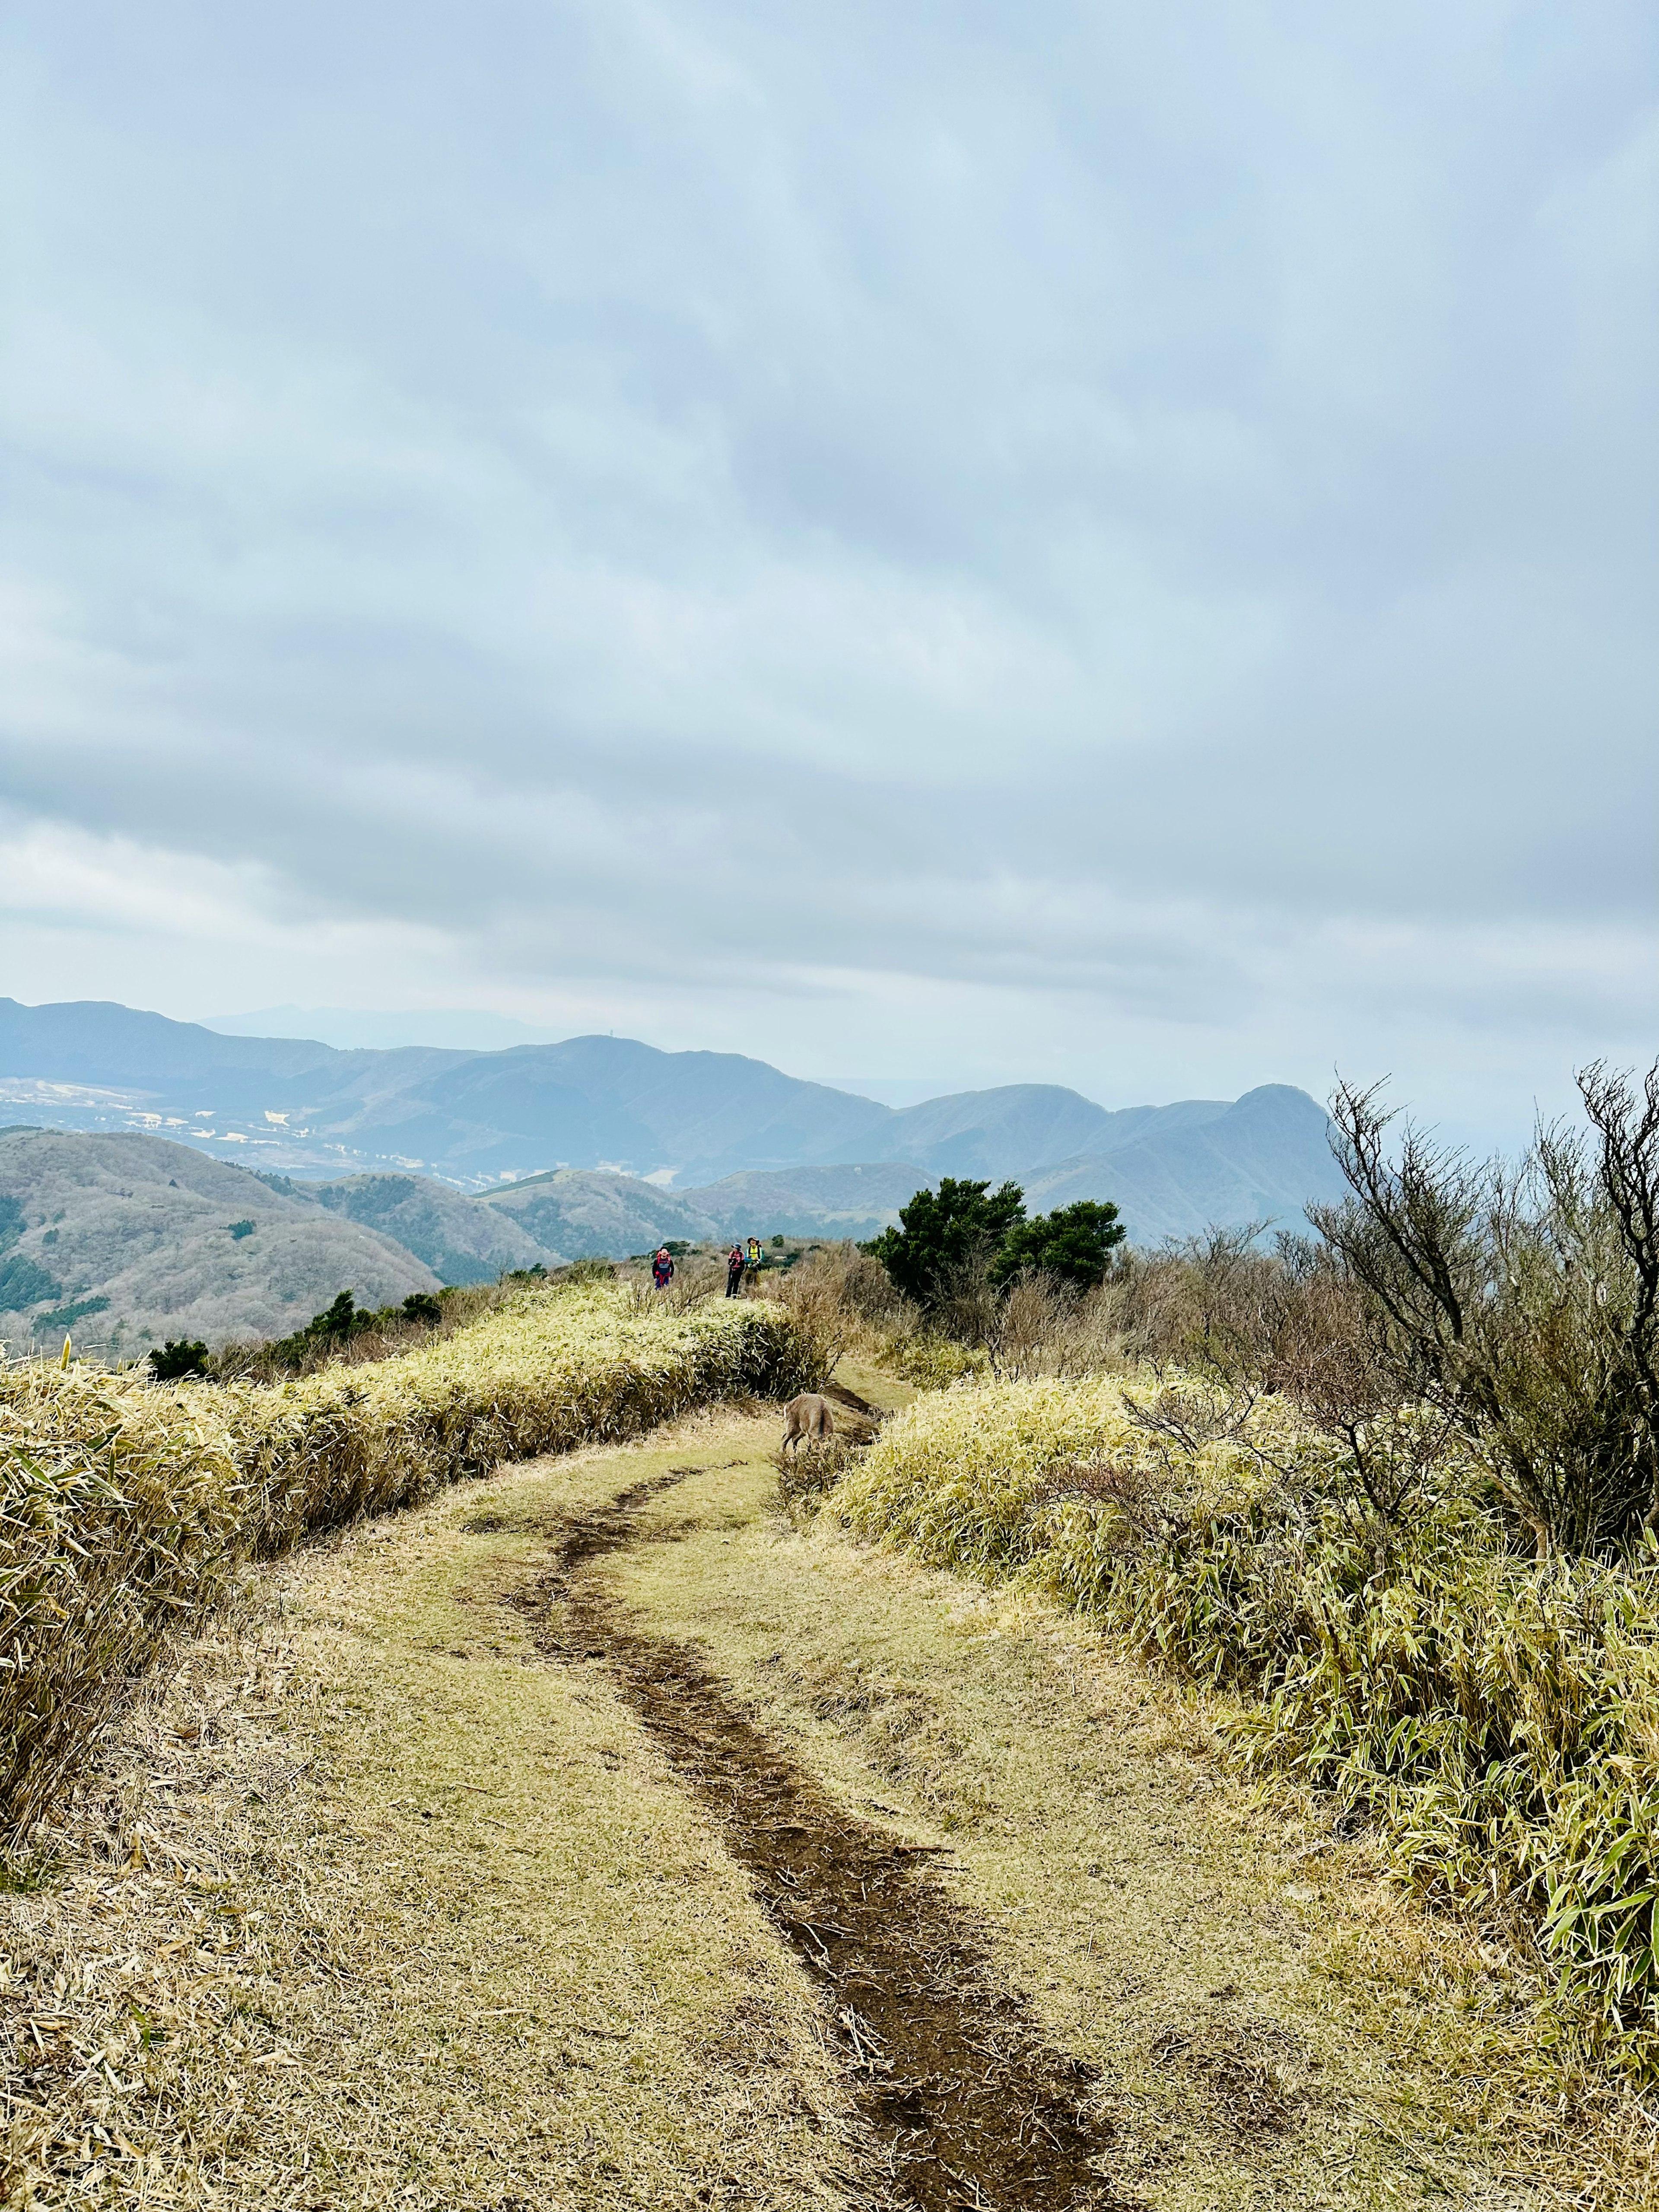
{"x": 417, "y": 1921}
{"x": 1273, "y": 2025}
{"x": 377, "y": 1907}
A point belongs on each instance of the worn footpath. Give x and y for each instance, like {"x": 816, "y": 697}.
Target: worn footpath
{"x": 596, "y": 1836}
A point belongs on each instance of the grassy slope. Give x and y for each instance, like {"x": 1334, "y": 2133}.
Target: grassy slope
{"x": 1271, "y": 2027}
{"x": 124, "y": 1507}
{"x": 461, "y": 1239}
{"x": 467, "y": 1948}
{"x": 444, "y": 1933}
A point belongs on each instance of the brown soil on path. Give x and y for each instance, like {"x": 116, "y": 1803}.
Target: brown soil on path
{"x": 371, "y": 1908}
{"x": 968, "y": 2105}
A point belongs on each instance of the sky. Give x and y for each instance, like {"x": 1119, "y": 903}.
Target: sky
{"x": 1087, "y": 543}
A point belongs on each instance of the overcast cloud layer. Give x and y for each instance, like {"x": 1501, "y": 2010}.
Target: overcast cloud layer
{"x": 1095, "y": 543}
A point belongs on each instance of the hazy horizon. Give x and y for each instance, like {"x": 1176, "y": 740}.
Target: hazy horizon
{"x": 1112, "y": 548}
{"x": 459, "y": 1030}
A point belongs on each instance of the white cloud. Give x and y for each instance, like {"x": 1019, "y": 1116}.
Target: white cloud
{"x": 1113, "y": 550}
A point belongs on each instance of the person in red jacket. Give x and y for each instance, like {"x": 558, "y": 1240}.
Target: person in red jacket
{"x": 662, "y": 1268}
{"x": 734, "y": 1271}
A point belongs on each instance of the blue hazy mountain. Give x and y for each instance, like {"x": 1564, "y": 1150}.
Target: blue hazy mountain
{"x": 469, "y": 1118}
{"x": 1262, "y": 1159}
{"x": 453, "y": 1027}
{"x": 633, "y": 1144}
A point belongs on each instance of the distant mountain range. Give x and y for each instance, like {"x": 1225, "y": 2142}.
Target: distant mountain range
{"x": 605, "y": 1145}
{"x": 467, "y": 1118}
{"x": 452, "y": 1027}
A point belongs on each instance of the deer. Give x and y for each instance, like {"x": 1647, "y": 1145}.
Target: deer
{"x": 808, "y": 1417}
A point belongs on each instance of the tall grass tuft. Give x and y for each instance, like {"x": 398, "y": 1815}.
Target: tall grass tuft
{"x": 121, "y": 1508}
{"x": 1494, "y": 1722}
{"x": 126, "y": 1506}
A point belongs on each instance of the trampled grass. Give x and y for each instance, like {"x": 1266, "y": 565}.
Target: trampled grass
{"x": 1493, "y": 1724}
{"x": 1273, "y": 2025}
{"x": 376, "y": 1903}
{"x": 369, "y": 1904}
{"x": 125, "y": 1505}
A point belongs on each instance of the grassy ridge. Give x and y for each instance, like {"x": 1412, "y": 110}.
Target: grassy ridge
{"x": 1495, "y": 1721}
{"x": 124, "y": 1507}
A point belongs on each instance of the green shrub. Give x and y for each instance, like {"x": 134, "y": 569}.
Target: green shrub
{"x": 1073, "y": 1243}
{"x": 944, "y": 1235}
{"x": 178, "y": 1356}
{"x": 337, "y": 1323}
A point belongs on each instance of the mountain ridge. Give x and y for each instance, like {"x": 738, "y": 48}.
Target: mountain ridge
{"x": 123, "y": 1238}
{"x": 706, "y": 1130}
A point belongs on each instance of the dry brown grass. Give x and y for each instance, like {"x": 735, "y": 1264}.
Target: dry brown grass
{"x": 124, "y": 1504}
{"x": 1274, "y": 2023}
{"x": 372, "y": 1908}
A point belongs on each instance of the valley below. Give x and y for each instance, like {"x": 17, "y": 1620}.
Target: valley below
{"x": 163, "y": 1181}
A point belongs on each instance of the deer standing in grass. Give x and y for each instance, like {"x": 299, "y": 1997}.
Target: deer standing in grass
{"x": 807, "y": 1417}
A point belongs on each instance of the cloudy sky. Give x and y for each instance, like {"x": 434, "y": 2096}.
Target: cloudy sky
{"x": 1093, "y": 542}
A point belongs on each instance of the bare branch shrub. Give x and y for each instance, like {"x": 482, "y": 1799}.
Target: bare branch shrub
{"x": 1517, "y": 1306}
{"x": 1627, "y": 1126}
{"x": 1144, "y": 1512}
{"x": 1208, "y": 1302}
{"x": 1191, "y": 1414}
{"x": 1046, "y": 1327}
{"x": 821, "y": 1295}
{"x": 967, "y": 1303}
{"x": 1327, "y": 1357}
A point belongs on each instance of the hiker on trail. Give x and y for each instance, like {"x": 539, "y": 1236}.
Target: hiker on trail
{"x": 752, "y": 1261}
{"x": 734, "y": 1271}
{"x": 662, "y": 1268}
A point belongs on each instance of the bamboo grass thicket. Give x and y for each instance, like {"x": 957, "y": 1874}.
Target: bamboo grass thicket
{"x": 1494, "y": 1723}
{"x": 126, "y": 1507}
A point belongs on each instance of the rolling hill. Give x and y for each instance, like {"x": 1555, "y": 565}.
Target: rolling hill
{"x": 583, "y": 1214}
{"x": 469, "y": 1117}
{"x": 1022, "y": 1127}
{"x": 1262, "y": 1158}
{"x": 462, "y": 1240}
{"x": 125, "y": 1240}
{"x": 606, "y": 1144}
{"x": 856, "y": 1201}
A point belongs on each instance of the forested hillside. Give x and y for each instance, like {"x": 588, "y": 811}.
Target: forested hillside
{"x": 122, "y": 1240}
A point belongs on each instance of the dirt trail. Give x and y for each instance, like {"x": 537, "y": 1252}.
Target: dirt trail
{"x": 597, "y": 1839}
{"x": 968, "y": 2105}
